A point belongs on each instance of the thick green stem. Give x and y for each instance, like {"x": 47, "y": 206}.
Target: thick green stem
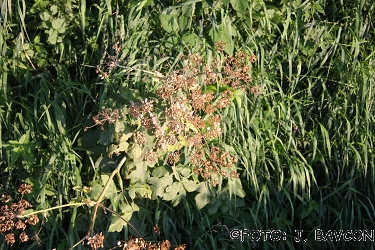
{"x": 90, "y": 203}
{"x": 110, "y": 179}
{"x": 103, "y": 193}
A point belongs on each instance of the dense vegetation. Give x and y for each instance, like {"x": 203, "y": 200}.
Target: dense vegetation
{"x": 191, "y": 120}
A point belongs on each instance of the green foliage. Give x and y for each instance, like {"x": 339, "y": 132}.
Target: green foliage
{"x": 302, "y": 130}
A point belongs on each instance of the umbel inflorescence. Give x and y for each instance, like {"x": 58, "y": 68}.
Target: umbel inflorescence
{"x": 186, "y": 113}
{"x": 10, "y": 224}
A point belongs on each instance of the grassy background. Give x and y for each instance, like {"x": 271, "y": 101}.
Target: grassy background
{"x": 305, "y": 143}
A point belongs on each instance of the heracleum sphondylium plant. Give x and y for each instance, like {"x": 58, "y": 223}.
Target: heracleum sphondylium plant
{"x": 181, "y": 125}
{"x": 316, "y": 69}
{"x": 11, "y": 225}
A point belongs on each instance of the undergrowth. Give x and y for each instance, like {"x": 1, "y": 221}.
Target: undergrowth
{"x": 224, "y": 115}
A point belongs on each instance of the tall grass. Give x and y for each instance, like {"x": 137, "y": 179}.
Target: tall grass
{"x": 305, "y": 141}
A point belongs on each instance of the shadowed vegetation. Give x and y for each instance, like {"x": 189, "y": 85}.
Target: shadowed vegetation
{"x": 185, "y": 122}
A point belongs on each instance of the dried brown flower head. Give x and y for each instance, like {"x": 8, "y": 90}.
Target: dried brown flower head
{"x": 234, "y": 174}
{"x": 24, "y": 237}
{"x": 207, "y": 175}
{"x": 20, "y": 225}
{"x": 220, "y": 46}
{"x": 33, "y": 220}
{"x": 5, "y": 198}
{"x": 180, "y": 247}
{"x": 209, "y": 109}
{"x": 104, "y": 116}
{"x": 173, "y": 157}
{"x": 151, "y": 156}
{"x": 139, "y": 137}
{"x": 25, "y": 188}
{"x": 9, "y": 221}
{"x": 253, "y": 58}
{"x": 255, "y": 90}
{"x": 96, "y": 241}
{"x": 9, "y": 238}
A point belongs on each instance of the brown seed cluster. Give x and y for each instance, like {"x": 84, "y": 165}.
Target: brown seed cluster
{"x": 183, "y": 114}
{"x": 109, "y": 62}
{"x": 96, "y": 241}
{"x": 10, "y": 224}
{"x": 216, "y": 163}
{"x": 106, "y": 115}
{"x": 255, "y": 90}
{"x": 220, "y": 46}
{"x": 187, "y": 116}
{"x": 235, "y": 70}
{"x": 141, "y": 244}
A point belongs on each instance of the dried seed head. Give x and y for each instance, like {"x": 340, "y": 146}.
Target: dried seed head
{"x": 215, "y": 182}
{"x": 225, "y": 100}
{"x": 7, "y": 226}
{"x": 117, "y": 47}
{"x": 224, "y": 173}
{"x": 173, "y": 157}
{"x": 255, "y": 90}
{"x": 195, "y": 59}
{"x": 20, "y": 225}
{"x": 135, "y": 110}
{"x": 241, "y": 55}
{"x": 165, "y": 92}
{"x": 33, "y": 220}
{"x": 220, "y": 46}
{"x": 146, "y": 106}
{"x": 96, "y": 241}
{"x": 198, "y": 171}
{"x": 25, "y": 188}
{"x": 207, "y": 175}
{"x": 103, "y": 75}
{"x": 151, "y": 156}
{"x": 9, "y": 238}
{"x": 234, "y": 174}
{"x": 253, "y": 58}
{"x": 195, "y": 140}
{"x": 165, "y": 245}
{"x": 24, "y": 237}
{"x": 139, "y": 137}
{"x": 5, "y": 198}
{"x": 209, "y": 109}
{"x": 176, "y": 126}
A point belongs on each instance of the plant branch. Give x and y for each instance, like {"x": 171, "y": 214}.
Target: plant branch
{"x": 90, "y": 203}
{"x": 104, "y": 192}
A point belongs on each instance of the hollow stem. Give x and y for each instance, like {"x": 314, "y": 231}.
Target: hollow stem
{"x": 101, "y": 196}
{"x": 90, "y": 203}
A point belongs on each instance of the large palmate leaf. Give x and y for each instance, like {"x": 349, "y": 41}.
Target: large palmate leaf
{"x": 117, "y": 223}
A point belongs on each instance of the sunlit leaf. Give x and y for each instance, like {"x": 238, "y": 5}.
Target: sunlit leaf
{"x": 158, "y": 185}
{"x": 96, "y": 190}
{"x": 111, "y": 188}
{"x": 135, "y": 152}
{"x": 59, "y": 25}
{"x": 189, "y": 185}
{"x": 240, "y": 5}
{"x": 142, "y": 189}
{"x": 117, "y": 223}
{"x": 45, "y": 16}
{"x": 203, "y": 197}
{"x": 169, "y": 20}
